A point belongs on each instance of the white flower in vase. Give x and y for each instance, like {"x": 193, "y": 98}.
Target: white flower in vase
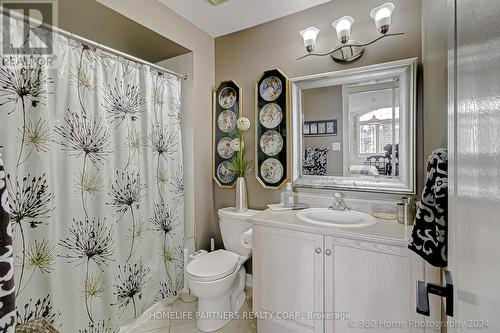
{"x": 239, "y": 164}
{"x": 243, "y": 124}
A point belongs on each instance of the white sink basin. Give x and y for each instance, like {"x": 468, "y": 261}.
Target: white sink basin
{"x": 336, "y": 218}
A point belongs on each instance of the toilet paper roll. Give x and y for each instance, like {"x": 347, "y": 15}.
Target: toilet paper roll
{"x": 246, "y": 239}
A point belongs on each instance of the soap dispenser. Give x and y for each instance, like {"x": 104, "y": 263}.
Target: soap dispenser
{"x": 288, "y": 198}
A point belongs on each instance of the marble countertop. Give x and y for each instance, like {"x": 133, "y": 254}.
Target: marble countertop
{"x": 385, "y": 231}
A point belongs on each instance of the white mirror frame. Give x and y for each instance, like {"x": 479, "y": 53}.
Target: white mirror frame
{"x": 406, "y": 70}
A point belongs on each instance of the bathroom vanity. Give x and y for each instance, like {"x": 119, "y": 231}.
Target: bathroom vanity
{"x": 363, "y": 278}
{"x": 345, "y": 271}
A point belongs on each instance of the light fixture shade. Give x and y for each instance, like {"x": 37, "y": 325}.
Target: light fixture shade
{"x": 382, "y": 16}
{"x": 343, "y": 26}
{"x": 309, "y": 35}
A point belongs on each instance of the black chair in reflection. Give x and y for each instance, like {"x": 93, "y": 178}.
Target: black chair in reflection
{"x": 384, "y": 163}
{"x": 378, "y": 161}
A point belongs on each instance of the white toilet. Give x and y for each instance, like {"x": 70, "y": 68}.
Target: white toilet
{"x": 218, "y": 277}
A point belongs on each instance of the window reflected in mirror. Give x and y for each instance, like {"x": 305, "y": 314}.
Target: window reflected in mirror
{"x": 352, "y": 130}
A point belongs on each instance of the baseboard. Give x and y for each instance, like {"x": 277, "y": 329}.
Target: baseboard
{"x": 249, "y": 281}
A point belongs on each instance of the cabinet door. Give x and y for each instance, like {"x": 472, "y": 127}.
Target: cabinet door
{"x": 288, "y": 279}
{"x": 373, "y": 284}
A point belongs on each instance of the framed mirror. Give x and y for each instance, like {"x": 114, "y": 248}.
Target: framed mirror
{"x": 355, "y": 129}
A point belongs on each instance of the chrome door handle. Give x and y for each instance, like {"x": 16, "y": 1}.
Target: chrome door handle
{"x": 318, "y": 250}
{"x": 328, "y": 252}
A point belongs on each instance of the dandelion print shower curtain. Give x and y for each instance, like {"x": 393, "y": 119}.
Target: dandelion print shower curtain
{"x": 93, "y": 162}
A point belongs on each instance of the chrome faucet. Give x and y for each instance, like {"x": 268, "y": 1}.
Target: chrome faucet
{"x": 339, "y": 203}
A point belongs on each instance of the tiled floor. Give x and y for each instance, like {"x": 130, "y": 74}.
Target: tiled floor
{"x": 187, "y": 324}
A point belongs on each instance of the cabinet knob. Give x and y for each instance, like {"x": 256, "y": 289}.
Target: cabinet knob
{"x": 328, "y": 252}
{"x": 318, "y": 250}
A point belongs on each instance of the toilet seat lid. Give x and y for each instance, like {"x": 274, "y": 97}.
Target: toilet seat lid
{"x": 213, "y": 265}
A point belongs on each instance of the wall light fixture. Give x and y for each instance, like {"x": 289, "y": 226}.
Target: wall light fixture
{"x": 350, "y": 50}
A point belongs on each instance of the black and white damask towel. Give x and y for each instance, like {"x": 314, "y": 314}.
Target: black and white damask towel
{"x": 7, "y": 291}
{"x": 315, "y": 161}
{"x": 429, "y": 237}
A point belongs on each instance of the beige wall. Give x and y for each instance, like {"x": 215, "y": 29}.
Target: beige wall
{"x": 164, "y": 21}
{"x": 244, "y": 55}
{"x": 325, "y": 104}
{"x": 435, "y": 71}
{"x": 114, "y": 30}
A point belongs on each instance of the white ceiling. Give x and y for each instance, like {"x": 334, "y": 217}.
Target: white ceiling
{"x": 235, "y": 15}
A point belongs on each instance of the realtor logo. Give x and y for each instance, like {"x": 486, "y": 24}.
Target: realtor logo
{"x": 27, "y": 26}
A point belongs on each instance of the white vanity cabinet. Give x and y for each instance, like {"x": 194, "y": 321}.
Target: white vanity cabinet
{"x": 289, "y": 268}
{"x": 374, "y": 283}
{"x": 299, "y": 273}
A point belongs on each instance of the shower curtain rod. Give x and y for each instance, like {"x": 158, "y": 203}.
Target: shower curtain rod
{"x": 93, "y": 43}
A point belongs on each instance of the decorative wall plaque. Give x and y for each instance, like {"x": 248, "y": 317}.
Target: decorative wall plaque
{"x": 272, "y": 125}
{"x": 226, "y": 111}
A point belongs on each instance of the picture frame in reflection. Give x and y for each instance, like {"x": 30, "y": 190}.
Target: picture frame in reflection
{"x": 313, "y": 128}
{"x": 306, "y": 129}
{"x": 331, "y": 127}
{"x": 320, "y": 128}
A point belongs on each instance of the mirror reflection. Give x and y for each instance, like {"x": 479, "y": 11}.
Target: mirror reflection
{"x": 352, "y": 130}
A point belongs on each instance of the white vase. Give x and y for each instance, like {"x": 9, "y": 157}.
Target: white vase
{"x": 241, "y": 203}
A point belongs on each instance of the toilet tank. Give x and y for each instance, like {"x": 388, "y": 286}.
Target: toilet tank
{"x": 232, "y": 226}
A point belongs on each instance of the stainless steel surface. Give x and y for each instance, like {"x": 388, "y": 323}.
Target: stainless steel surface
{"x": 241, "y": 202}
{"x": 339, "y": 203}
{"x": 409, "y": 208}
{"x": 405, "y": 72}
{"x": 84, "y": 40}
{"x": 401, "y": 213}
{"x": 349, "y": 52}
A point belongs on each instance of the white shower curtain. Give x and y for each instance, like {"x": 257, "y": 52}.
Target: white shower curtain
{"x": 93, "y": 157}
